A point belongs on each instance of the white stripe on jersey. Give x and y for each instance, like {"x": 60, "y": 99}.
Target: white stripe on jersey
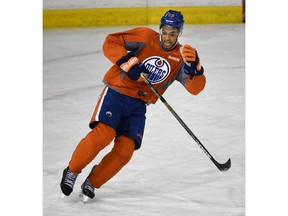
{"x": 100, "y": 104}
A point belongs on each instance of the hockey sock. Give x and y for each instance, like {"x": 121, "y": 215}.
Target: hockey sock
{"x": 113, "y": 162}
{"x": 96, "y": 140}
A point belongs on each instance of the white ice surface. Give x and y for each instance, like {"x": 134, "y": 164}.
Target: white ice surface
{"x": 170, "y": 174}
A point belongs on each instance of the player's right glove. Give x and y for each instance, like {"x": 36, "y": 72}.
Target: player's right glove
{"x": 132, "y": 66}
{"x": 192, "y": 61}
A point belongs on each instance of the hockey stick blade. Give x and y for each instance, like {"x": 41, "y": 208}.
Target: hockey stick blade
{"x": 223, "y": 167}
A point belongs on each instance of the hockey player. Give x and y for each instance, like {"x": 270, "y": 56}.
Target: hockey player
{"x": 119, "y": 114}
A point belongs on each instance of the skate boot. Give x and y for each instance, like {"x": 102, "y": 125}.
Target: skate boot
{"x": 67, "y": 182}
{"x": 87, "y": 189}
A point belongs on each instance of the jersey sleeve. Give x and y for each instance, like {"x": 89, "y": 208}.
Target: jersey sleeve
{"x": 117, "y": 45}
{"x": 193, "y": 84}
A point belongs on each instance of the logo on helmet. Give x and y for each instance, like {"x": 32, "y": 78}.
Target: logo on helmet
{"x": 158, "y": 67}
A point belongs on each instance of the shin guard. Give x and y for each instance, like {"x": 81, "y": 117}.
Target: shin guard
{"x": 113, "y": 162}
{"x": 96, "y": 140}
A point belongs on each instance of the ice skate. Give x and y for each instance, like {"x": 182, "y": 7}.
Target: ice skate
{"x": 67, "y": 182}
{"x": 87, "y": 191}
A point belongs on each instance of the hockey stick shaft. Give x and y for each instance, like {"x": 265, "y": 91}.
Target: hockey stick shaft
{"x": 221, "y": 167}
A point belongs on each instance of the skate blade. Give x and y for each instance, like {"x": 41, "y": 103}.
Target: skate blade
{"x": 83, "y": 197}
{"x": 62, "y": 195}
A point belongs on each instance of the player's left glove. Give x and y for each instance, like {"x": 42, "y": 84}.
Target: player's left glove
{"x": 132, "y": 66}
{"x": 192, "y": 61}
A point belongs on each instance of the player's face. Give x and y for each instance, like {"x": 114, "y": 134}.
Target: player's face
{"x": 169, "y": 36}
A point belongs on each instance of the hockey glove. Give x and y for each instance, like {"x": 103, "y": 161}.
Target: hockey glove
{"x": 131, "y": 65}
{"x": 192, "y": 62}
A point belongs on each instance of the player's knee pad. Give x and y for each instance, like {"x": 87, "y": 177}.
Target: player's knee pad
{"x": 101, "y": 136}
{"x": 124, "y": 148}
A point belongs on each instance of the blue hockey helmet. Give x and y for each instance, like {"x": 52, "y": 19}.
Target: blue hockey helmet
{"x": 172, "y": 18}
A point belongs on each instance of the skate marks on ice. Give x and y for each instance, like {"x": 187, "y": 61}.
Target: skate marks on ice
{"x": 170, "y": 174}
{"x": 161, "y": 193}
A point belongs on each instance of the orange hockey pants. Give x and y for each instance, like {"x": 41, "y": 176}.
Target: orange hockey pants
{"x": 88, "y": 148}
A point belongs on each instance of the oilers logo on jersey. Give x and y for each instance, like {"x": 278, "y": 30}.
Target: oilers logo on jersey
{"x": 158, "y": 67}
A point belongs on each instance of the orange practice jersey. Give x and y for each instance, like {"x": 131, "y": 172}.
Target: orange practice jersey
{"x": 164, "y": 67}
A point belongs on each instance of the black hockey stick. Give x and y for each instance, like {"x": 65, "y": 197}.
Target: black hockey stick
{"x": 222, "y": 167}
